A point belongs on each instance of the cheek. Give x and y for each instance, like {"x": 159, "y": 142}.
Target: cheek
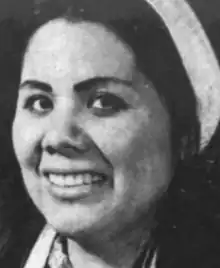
{"x": 26, "y": 136}
{"x": 114, "y": 136}
{"x": 137, "y": 149}
{"x": 130, "y": 137}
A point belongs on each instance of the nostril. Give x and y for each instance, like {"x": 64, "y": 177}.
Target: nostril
{"x": 51, "y": 150}
{"x": 55, "y": 142}
{"x": 65, "y": 149}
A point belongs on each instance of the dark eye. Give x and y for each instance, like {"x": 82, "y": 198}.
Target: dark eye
{"x": 106, "y": 104}
{"x": 39, "y": 104}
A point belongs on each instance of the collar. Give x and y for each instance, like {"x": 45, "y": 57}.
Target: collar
{"x": 41, "y": 250}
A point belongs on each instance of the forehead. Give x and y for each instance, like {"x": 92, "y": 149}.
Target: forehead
{"x": 84, "y": 49}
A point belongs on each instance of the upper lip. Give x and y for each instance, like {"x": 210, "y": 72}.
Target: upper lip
{"x": 46, "y": 171}
{"x": 61, "y": 167}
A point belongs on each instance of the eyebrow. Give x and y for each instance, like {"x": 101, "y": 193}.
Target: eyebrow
{"x": 85, "y": 85}
{"x": 35, "y": 84}
{"x": 100, "y": 80}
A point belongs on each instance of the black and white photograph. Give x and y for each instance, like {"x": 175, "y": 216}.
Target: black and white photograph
{"x": 110, "y": 134}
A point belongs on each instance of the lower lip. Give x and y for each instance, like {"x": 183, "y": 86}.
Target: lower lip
{"x": 75, "y": 192}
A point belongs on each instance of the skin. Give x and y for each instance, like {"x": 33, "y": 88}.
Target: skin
{"x": 125, "y": 134}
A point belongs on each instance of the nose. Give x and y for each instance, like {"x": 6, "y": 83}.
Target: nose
{"x": 64, "y": 135}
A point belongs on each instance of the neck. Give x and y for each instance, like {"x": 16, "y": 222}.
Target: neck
{"x": 106, "y": 250}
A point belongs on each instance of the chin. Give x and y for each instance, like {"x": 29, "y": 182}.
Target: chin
{"x": 71, "y": 222}
{"x": 67, "y": 226}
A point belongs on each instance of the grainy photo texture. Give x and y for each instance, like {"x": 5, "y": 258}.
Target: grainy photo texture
{"x": 109, "y": 134}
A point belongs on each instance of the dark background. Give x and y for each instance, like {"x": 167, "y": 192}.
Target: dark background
{"x": 208, "y": 10}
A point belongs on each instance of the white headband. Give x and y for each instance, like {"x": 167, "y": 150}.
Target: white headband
{"x": 198, "y": 59}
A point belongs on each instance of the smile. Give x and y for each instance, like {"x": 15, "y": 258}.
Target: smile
{"x": 74, "y": 180}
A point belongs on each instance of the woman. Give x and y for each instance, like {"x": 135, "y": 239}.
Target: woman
{"x": 114, "y": 106}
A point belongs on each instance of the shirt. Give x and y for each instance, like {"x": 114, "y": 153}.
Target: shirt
{"x": 44, "y": 244}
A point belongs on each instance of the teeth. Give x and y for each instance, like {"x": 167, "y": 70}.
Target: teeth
{"x": 96, "y": 178}
{"x": 77, "y": 180}
{"x": 73, "y": 180}
{"x": 87, "y": 179}
{"x": 57, "y": 179}
{"x": 68, "y": 180}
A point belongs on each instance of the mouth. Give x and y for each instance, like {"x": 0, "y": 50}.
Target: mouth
{"x": 72, "y": 186}
{"x": 71, "y": 180}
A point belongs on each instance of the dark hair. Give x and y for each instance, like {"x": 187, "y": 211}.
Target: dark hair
{"x": 142, "y": 29}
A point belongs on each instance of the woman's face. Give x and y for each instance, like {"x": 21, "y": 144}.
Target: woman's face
{"x": 90, "y": 133}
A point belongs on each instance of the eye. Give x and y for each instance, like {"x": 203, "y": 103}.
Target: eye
{"x": 39, "y": 104}
{"x": 106, "y": 104}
